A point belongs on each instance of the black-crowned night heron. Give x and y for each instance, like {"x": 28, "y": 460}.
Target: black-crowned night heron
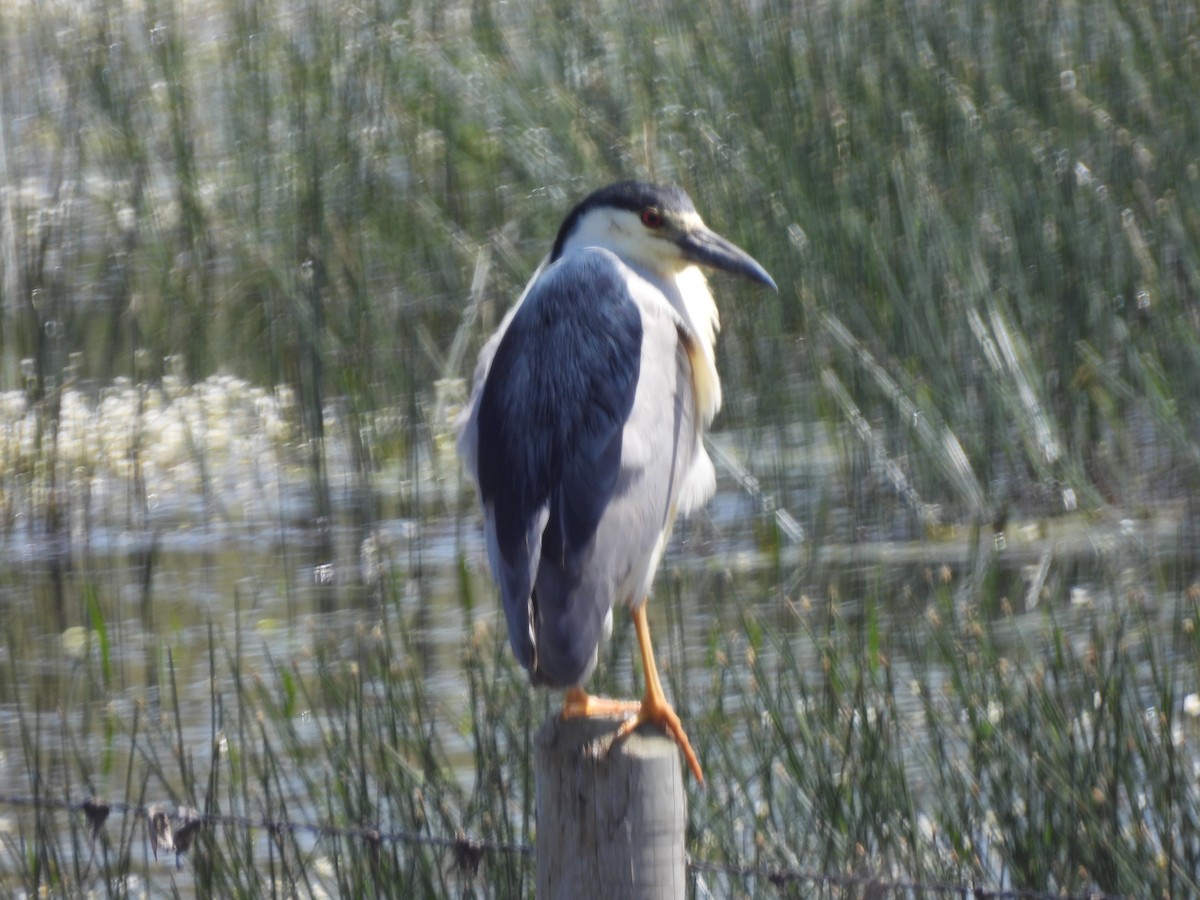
{"x": 585, "y": 432}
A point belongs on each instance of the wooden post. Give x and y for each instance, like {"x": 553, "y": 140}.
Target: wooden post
{"x": 610, "y": 819}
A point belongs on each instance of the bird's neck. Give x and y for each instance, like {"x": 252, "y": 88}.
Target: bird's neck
{"x": 693, "y": 301}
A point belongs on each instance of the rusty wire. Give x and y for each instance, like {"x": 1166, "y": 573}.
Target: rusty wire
{"x": 174, "y": 830}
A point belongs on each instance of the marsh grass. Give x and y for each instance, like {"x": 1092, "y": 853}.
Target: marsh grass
{"x": 1048, "y": 751}
{"x": 982, "y": 221}
{"x": 980, "y": 216}
{"x": 953, "y": 751}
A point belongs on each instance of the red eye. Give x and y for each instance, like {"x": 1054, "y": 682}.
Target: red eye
{"x": 652, "y": 218}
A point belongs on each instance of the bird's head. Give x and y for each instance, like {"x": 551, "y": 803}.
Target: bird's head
{"x": 655, "y": 228}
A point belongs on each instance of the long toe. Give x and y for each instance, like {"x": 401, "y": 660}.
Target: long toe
{"x": 662, "y": 714}
{"x": 579, "y": 704}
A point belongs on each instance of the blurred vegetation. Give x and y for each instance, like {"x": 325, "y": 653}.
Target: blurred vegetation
{"x": 982, "y": 216}
{"x": 848, "y": 753}
{"x": 983, "y": 221}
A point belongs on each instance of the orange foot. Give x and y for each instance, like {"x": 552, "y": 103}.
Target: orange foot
{"x": 654, "y": 707}
{"x": 579, "y": 704}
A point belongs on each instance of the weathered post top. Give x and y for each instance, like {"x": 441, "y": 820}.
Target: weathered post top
{"x": 610, "y": 818}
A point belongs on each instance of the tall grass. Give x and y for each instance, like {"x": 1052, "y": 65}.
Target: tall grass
{"x": 898, "y": 734}
{"x": 994, "y": 201}
{"x": 982, "y": 221}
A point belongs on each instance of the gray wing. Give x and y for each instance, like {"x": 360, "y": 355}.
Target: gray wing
{"x": 548, "y": 424}
{"x": 584, "y": 433}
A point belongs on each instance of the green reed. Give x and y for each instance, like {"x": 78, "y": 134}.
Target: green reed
{"x": 981, "y": 220}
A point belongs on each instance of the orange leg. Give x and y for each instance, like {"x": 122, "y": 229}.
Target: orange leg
{"x": 654, "y": 707}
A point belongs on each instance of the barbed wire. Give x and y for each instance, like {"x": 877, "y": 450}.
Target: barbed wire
{"x": 97, "y": 812}
{"x": 173, "y": 831}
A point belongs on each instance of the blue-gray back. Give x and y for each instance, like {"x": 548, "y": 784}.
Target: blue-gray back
{"x": 550, "y": 418}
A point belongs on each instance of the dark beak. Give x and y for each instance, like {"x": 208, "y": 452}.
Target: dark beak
{"x": 708, "y": 248}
